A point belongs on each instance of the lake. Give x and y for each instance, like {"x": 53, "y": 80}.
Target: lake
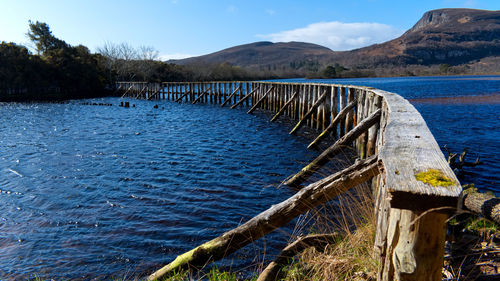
{"x": 94, "y": 192}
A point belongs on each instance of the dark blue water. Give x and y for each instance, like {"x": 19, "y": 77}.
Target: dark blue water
{"x": 97, "y": 191}
{"x": 473, "y": 125}
{"x": 94, "y": 192}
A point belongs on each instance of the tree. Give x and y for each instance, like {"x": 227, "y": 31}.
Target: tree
{"x": 329, "y": 72}
{"x": 41, "y": 35}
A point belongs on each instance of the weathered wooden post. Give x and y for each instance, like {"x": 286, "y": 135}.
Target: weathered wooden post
{"x": 416, "y": 189}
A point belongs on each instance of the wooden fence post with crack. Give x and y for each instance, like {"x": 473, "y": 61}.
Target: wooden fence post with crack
{"x": 416, "y": 189}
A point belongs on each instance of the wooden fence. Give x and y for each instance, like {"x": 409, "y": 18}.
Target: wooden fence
{"x": 415, "y": 188}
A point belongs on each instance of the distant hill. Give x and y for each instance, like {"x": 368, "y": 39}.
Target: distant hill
{"x": 266, "y": 55}
{"x": 446, "y": 36}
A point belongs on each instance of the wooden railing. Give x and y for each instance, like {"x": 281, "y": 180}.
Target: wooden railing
{"x": 415, "y": 188}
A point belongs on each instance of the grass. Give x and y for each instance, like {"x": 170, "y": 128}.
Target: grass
{"x": 351, "y": 258}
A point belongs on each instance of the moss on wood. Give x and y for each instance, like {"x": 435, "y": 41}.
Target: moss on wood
{"x": 434, "y": 177}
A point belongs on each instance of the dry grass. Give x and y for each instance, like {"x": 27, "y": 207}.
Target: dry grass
{"x": 472, "y": 250}
{"x": 352, "y": 257}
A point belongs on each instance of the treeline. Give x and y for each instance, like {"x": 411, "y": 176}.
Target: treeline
{"x": 61, "y": 71}
{"x": 57, "y": 71}
{"x": 126, "y": 63}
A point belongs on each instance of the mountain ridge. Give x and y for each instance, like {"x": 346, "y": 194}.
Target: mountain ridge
{"x": 451, "y": 36}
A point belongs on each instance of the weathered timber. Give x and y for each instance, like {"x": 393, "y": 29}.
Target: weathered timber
{"x": 309, "y": 113}
{"x": 409, "y": 242}
{"x": 200, "y": 96}
{"x": 333, "y": 124}
{"x": 278, "y": 215}
{"x": 318, "y": 241}
{"x": 230, "y": 96}
{"x": 486, "y": 205}
{"x": 326, "y": 155}
{"x": 342, "y": 99}
{"x": 254, "y": 107}
{"x": 245, "y": 97}
{"x": 284, "y": 107}
{"x": 350, "y": 116}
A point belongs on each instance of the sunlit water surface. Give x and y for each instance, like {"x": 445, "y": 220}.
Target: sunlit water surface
{"x": 95, "y": 192}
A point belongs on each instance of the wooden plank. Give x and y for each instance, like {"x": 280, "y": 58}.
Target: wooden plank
{"x": 309, "y": 113}
{"x": 410, "y": 148}
{"x": 254, "y": 107}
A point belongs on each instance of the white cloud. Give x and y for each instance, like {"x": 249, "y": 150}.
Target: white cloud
{"x": 176, "y": 56}
{"x": 338, "y": 36}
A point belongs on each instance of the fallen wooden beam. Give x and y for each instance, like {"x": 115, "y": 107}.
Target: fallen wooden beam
{"x": 486, "y": 205}
{"x": 318, "y": 241}
{"x": 254, "y": 107}
{"x": 231, "y": 96}
{"x": 334, "y": 123}
{"x": 326, "y": 155}
{"x": 309, "y": 113}
{"x": 202, "y": 94}
{"x": 277, "y": 216}
{"x": 282, "y": 109}
{"x": 244, "y": 98}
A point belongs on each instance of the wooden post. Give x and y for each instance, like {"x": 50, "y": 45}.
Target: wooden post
{"x": 229, "y": 98}
{"x": 309, "y": 113}
{"x": 244, "y": 98}
{"x": 342, "y": 130}
{"x": 334, "y": 110}
{"x": 282, "y": 109}
{"x": 350, "y": 115}
{"x": 410, "y": 233}
{"x": 260, "y": 100}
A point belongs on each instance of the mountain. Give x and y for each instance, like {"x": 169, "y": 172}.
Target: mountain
{"x": 445, "y": 36}
{"x": 259, "y": 54}
{"x": 452, "y": 36}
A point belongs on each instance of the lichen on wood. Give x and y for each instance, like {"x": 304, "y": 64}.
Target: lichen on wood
{"x": 434, "y": 177}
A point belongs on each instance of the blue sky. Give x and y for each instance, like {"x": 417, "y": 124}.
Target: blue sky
{"x": 180, "y": 28}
